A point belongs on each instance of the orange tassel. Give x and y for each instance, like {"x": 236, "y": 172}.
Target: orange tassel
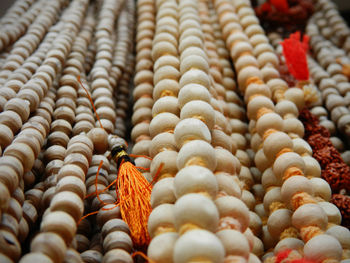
{"x": 134, "y": 194}
{"x": 133, "y": 190}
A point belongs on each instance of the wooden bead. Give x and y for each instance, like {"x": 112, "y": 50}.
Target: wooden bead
{"x": 323, "y": 247}
{"x": 19, "y": 106}
{"x": 117, "y": 239}
{"x": 234, "y": 242}
{"x": 92, "y": 256}
{"x": 204, "y": 244}
{"x": 6, "y": 136}
{"x": 115, "y": 225}
{"x": 167, "y": 241}
{"x": 188, "y": 211}
{"x": 72, "y": 256}
{"x": 10, "y": 246}
{"x": 117, "y": 255}
{"x": 163, "y": 192}
{"x": 9, "y": 179}
{"x": 60, "y": 223}
{"x": 49, "y": 244}
{"x": 107, "y": 213}
{"x": 191, "y": 129}
{"x": 68, "y": 202}
{"x": 11, "y": 119}
{"x": 72, "y": 184}
{"x": 77, "y": 159}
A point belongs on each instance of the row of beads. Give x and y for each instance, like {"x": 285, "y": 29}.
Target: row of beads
{"x": 165, "y": 115}
{"x": 142, "y": 93}
{"x": 65, "y": 205}
{"x": 27, "y": 44}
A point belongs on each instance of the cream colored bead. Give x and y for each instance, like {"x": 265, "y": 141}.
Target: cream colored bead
{"x": 167, "y": 242}
{"x": 195, "y": 179}
{"x": 198, "y": 243}
{"x": 195, "y": 209}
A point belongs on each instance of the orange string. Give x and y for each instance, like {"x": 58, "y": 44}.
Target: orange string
{"x": 268, "y": 132}
{"x": 85, "y": 216}
{"x": 284, "y": 150}
{"x": 110, "y": 208}
{"x": 101, "y": 191}
{"x": 292, "y": 171}
{"x": 166, "y": 92}
{"x": 309, "y": 232}
{"x": 135, "y": 207}
{"x": 255, "y": 80}
{"x": 302, "y": 198}
{"x": 139, "y": 253}
{"x": 262, "y": 111}
{"x": 91, "y": 101}
{"x": 142, "y": 168}
{"x": 156, "y": 176}
{"x": 96, "y": 179}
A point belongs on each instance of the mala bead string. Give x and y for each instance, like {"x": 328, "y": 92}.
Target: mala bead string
{"x": 15, "y": 27}
{"x": 142, "y": 92}
{"x": 19, "y": 214}
{"x": 243, "y": 76}
{"x": 163, "y": 117}
{"x": 133, "y": 190}
{"x": 20, "y": 105}
{"x": 334, "y": 87}
{"x": 232, "y": 229}
{"x": 65, "y": 207}
{"x": 30, "y": 41}
{"x": 20, "y": 157}
{"x": 35, "y": 89}
{"x": 122, "y": 95}
{"x": 112, "y": 247}
{"x": 195, "y": 223}
{"x": 333, "y": 60}
{"x": 36, "y": 128}
{"x": 243, "y": 154}
{"x": 107, "y": 212}
{"x": 247, "y": 21}
{"x": 15, "y": 11}
{"x": 99, "y": 74}
{"x": 327, "y": 90}
{"x": 335, "y": 30}
{"x": 125, "y": 32}
{"x": 123, "y": 54}
{"x": 18, "y": 78}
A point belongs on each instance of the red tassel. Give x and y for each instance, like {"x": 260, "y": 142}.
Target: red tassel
{"x": 280, "y": 5}
{"x": 294, "y": 52}
{"x": 266, "y": 7}
{"x": 282, "y": 255}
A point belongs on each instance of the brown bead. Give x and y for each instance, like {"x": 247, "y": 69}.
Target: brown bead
{"x": 50, "y": 244}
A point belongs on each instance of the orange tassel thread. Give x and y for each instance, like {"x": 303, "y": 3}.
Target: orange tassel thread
{"x": 134, "y": 194}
